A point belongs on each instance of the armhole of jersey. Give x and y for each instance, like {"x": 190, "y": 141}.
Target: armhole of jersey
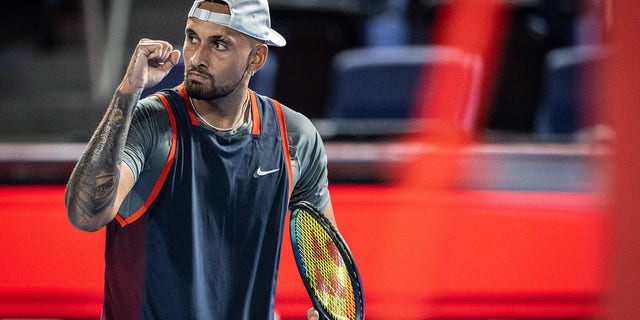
{"x": 285, "y": 142}
{"x": 165, "y": 169}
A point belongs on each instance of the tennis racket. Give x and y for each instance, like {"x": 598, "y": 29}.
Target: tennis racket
{"x": 326, "y": 265}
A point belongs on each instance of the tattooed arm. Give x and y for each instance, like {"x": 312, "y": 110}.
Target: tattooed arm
{"x": 100, "y": 181}
{"x": 92, "y": 189}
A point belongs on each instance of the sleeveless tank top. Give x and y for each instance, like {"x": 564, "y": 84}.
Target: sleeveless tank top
{"x": 206, "y": 244}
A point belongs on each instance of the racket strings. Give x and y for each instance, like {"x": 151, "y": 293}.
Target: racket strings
{"x": 325, "y": 268}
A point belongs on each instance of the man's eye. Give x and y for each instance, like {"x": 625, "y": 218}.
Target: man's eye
{"x": 219, "y": 46}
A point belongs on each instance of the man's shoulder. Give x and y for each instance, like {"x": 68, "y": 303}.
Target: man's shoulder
{"x": 151, "y": 102}
{"x": 150, "y": 105}
{"x": 298, "y": 122}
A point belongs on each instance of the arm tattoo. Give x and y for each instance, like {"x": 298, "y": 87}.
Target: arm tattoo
{"x": 93, "y": 183}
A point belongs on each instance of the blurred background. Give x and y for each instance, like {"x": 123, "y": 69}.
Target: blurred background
{"x": 63, "y": 58}
{"x": 504, "y": 219}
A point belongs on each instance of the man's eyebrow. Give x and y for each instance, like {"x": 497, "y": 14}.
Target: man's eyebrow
{"x": 216, "y": 37}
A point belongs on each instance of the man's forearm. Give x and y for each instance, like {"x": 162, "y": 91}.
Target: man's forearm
{"x": 92, "y": 187}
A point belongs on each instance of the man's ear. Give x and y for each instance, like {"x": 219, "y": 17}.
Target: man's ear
{"x": 259, "y": 57}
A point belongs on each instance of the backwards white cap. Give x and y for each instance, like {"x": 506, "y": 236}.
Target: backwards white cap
{"x": 250, "y": 17}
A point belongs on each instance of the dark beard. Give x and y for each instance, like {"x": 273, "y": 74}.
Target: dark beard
{"x": 199, "y": 91}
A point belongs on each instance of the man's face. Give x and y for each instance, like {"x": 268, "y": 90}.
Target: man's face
{"x": 216, "y": 60}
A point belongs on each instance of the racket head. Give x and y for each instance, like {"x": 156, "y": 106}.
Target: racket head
{"x": 325, "y": 264}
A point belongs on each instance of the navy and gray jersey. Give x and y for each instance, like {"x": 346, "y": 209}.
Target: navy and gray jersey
{"x": 199, "y": 235}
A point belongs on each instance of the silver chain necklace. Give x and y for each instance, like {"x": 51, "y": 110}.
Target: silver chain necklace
{"x": 234, "y": 126}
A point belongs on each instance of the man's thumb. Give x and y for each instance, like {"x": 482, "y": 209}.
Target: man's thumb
{"x": 174, "y": 57}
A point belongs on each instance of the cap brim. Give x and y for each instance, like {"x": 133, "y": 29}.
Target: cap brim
{"x": 275, "y": 39}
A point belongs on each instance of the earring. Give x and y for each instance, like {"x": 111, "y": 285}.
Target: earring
{"x": 251, "y": 73}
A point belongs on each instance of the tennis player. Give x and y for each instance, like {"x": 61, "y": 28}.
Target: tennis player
{"x": 193, "y": 183}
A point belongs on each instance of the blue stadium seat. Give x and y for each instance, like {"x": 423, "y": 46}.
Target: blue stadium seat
{"x": 382, "y": 82}
{"x": 569, "y": 96}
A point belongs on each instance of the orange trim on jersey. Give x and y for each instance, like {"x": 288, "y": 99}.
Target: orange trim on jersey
{"x": 165, "y": 170}
{"x": 285, "y": 142}
{"x": 187, "y": 101}
{"x": 255, "y": 116}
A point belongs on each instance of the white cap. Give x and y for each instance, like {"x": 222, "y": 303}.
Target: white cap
{"x": 250, "y": 17}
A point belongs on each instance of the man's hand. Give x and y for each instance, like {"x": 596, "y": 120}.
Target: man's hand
{"x": 151, "y": 62}
{"x": 312, "y": 314}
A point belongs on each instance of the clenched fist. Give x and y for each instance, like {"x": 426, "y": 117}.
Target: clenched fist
{"x": 151, "y": 62}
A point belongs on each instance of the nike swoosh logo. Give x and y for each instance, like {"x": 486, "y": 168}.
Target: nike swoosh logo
{"x": 260, "y": 173}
